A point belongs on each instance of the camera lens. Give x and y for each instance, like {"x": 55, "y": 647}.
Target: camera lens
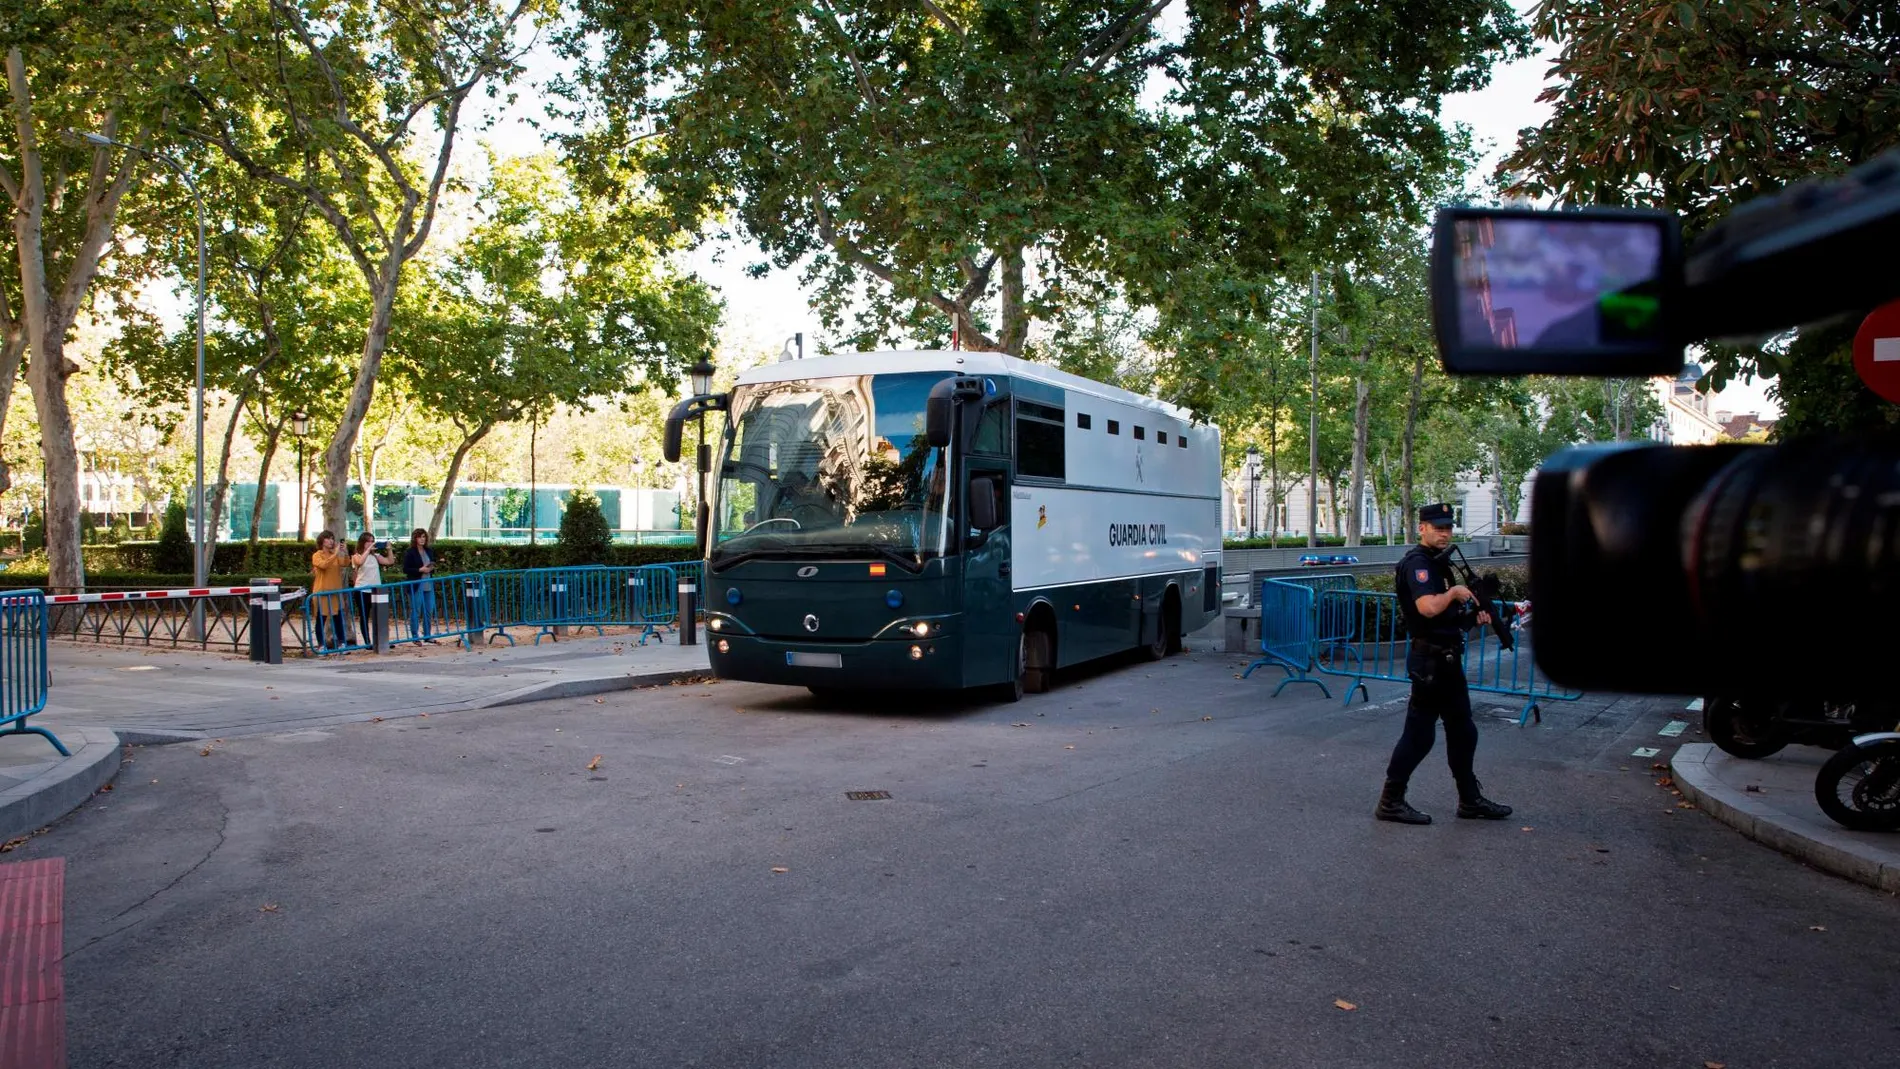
{"x": 1712, "y": 569}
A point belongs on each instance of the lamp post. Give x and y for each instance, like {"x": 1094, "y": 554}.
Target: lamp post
{"x": 702, "y": 379}
{"x": 1253, "y": 488}
{"x": 201, "y": 562}
{"x": 300, "y": 426}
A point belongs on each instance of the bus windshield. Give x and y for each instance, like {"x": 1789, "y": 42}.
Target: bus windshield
{"x": 835, "y": 466}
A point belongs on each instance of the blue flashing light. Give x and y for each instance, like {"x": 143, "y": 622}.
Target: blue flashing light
{"x": 894, "y": 598}
{"x": 989, "y": 387}
{"x": 733, "y": 597}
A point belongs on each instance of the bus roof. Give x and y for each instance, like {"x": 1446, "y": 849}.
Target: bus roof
{"x": 965, "y": 362}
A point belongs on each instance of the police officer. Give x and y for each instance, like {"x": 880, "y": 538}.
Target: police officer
{"x": 1437, "y": 613}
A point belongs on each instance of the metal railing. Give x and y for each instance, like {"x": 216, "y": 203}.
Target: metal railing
{"x": 166, "y": 617}
{"x": 465, "y": 607}
{"x": 23, "y": 674}
{"x": 1323, "y": 624}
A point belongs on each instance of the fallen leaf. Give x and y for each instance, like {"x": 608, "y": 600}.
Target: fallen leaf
{"x": 1019, "y": 725}
{"x": 594, "y": 764}
{"x": 1817, "y": 927}
{"x": 375, "y": 719}
{"x": 1526, "y": 827}
{"x": 424, "y": 716}
{"x": 11, "y": 844}
{"x": 1714, "y": 1065}
{"x": 1068, "y": 747}
{"x": 270, "y": 907}
{"x": 206, "y": 752}
{"x": 600, "y": 701}
{"x": 780, "y": 868}
{"x": 1343, "y": 1004}
{"x": 1207, "y": 718}
{"x": 107, "y": 787}
{"x": 1685, "y": 805}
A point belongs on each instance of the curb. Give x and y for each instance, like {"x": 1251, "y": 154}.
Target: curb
{"x": 63, "y": 787}
{"x": 1838, "y": 851}
{"x": 581, "y": 688}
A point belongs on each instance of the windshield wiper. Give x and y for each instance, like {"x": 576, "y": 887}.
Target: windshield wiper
{"x": 909, "y": 564}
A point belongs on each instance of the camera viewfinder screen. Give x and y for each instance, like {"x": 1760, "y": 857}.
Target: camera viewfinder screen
{"x": 1558, "y": 284}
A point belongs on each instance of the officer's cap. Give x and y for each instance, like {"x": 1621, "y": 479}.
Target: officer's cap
{"x": 1437, "y": 515}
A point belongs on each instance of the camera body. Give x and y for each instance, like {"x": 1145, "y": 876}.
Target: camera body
{"x": 1768, "y": 570}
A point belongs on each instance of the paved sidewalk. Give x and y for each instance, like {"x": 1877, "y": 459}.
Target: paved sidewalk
{"x": 161, "y": 695}
{"x": 38, "y": 786}
{"x": 1772, "y": 802}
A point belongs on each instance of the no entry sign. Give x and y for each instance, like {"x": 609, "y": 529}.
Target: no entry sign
{"x": 1877, "y": 351}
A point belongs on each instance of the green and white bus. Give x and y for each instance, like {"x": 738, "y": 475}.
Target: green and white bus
{"x": 949, "y": 520}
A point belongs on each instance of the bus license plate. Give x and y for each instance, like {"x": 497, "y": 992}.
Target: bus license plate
{"x": 815, "y": 660}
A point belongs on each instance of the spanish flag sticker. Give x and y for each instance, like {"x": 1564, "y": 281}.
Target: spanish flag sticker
{"x": 877, "y": 569}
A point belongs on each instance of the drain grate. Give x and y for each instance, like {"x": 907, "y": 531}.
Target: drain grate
{"x": 868, "y": 796}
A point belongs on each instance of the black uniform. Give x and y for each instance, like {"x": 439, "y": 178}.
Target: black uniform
{"x": 1436, "y": 666}
{"x": 1435, "y": 663}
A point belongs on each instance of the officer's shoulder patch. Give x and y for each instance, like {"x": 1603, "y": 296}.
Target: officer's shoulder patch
{"x": 1423, "y": 575}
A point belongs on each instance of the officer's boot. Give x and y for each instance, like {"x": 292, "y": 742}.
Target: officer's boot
{"x": 1393, "y": 806}
{"x": 1473, "y": 805}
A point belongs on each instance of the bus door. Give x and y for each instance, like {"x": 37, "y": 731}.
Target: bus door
{"x": 989, "y": 618}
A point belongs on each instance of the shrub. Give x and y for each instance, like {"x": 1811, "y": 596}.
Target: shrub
{"x": 173, "y": 553}
{"x": 1515, "y": 529}
{"x": 35, "y": 534}
{"x": 584, "y": 537}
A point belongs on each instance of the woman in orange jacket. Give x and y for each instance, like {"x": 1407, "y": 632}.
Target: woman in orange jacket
{"x": 326, "y": 574}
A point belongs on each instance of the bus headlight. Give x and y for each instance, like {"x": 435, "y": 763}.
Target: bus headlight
{"x": 921, "y": 628}
{"x": 716, "y": 624}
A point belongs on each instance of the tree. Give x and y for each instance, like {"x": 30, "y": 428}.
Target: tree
{"x": 173, "y": 554}
{"x": 1701, "y": 105}
{"x": 331, "y": 100}
{"x": 995, "y": 165}
{"x": 69, "y": 66}
{"x": 584, "y": 537}
{"x": 559, "y": 295}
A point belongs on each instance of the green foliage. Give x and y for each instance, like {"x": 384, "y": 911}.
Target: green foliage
{"x": 585, "y": 537}
{"x": 172, "y": 553}
{"x": 33, "y": 538}
{"x": 1705, "y": 104}
{"x": 925, "y": 156}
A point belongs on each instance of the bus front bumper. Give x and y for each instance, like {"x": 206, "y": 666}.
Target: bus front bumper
{"x": 882, "y": 664}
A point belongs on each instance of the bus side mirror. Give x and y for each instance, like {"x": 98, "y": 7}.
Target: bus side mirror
{"x": 675, "y": 427}
{"x": 983, "y": 504}
{"x": 941, "y": 406}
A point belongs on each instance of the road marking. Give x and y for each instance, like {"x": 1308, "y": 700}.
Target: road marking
{"x": 1645, "y": 751}
{"x": 1675, "y": 728}
{"x": 1694, "y": 706}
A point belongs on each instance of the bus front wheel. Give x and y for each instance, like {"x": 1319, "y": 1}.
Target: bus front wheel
{"x": 1035, "y": 662}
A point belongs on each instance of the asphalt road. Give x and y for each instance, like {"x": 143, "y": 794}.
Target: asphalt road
{"x": 1154, "y": 865}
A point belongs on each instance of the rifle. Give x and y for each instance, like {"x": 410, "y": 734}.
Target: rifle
{"x": 1487, "y": 587}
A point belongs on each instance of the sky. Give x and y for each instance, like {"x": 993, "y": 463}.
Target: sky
{"x": 763, "y": 313}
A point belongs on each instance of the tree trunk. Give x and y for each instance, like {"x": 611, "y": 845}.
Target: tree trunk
{"x": 455, "y": 473}
{"x": 1312, "y": 432}
{"x": 1406, "y": 456}
{"x": 1361, "y": 421}
{"x": 1015, "y": 317}
{"x": 336, "y": 456}
{"x": 12, "y": 348}
{"x": 1273, "y": 453}
{"x": 214, "y": 507}
{"x": 272, "y": 433}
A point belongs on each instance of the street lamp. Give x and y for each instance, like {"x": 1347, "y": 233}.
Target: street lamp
{"x": 702, "y": 379}
{"x": 201, "y": 562}
{"x": 300, "y": 426}
{"x": 1253, "y": 487}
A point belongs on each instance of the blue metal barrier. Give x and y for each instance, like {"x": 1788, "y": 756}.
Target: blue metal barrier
{"x": 23, "y": 674}
{"x": 465, "y": 606}
{"x": 1288, "y": 630}
{"x": 1324, "y": 624}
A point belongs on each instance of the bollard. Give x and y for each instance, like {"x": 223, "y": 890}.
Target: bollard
{"x": 472, "y": 608}
{"x": 267, "y": 622}
{"x": 379, "y": 621}
{"x": 689, "y": 612}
